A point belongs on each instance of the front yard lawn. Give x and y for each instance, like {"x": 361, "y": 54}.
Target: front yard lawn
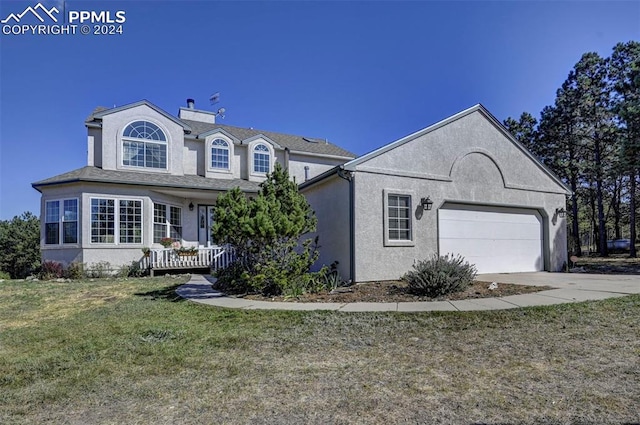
{"x": 129, "y": 351}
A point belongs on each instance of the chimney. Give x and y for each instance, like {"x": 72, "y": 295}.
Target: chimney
{"x": 193, "y": 114}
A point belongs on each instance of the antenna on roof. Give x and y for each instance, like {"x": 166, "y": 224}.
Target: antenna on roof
{"x": 220, "y": 113}
{"x": 214, "y": 98}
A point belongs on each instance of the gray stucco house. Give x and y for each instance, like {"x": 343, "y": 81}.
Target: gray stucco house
{"x": 463, "y": 185}
{"x": 151, "y": 175}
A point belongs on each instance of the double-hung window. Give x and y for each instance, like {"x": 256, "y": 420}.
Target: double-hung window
{"x": 261, "y": 159}
{"x": 144, "y": 145}
{"x": 220, "y": 154}
{"x": 107, "y": 215}
{"x": 61, "y": 222}
{"x": 398, "y": 222}
{"x": 167, "y": 222}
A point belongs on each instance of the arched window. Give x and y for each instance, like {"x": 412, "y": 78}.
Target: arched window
{"x": 220, "y": 154}
{"x": 144, "y": 145}
{"x": 261, "y": 159}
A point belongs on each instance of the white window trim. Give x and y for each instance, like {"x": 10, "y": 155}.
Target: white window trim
{"x": 209, "y": 147}
{"x": 61, "y": 223}
{"x": 412, "y": 206}
{"x": 167, "y": 222}
{"x": 116, "y": 221}
{"x": 123, "y": 139}
{"x": 272, "y": 157}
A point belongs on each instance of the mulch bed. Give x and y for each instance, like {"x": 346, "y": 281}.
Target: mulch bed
{"x": 396, "y": 291}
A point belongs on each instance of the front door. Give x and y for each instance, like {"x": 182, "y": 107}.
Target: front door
{"x": 205, "y": 223}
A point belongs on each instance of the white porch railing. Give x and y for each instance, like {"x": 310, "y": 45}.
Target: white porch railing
{"x": 215, "y": 257}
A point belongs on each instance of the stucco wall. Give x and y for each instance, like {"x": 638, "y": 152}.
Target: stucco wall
{"x": 117, "y": 253}
{"x": 114, "y": 124}
{"x": 438, "y": 153}
{"x": 317, "y": 166}
{"x": 374, "y": 261}
{"x": 330, "y": 201}
{"x": 193, "y": 158}
{"x": 467, "y": 161}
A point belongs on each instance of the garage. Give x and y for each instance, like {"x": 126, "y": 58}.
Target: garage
{"x": 496, "y": 240}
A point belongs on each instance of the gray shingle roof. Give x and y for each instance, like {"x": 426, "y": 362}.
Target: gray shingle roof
{"x": 294, "y": 143}
{"x": 95, "y": 174}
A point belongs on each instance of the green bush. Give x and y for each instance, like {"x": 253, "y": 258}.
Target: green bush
{"x": 4, "y": 275}
{"x": 130, "y": 270}
{"x": 75, "y": 271}
{"x": 267, "y": 233}
{"x": 440, "y": 276}
{"x": 233, "y": 279}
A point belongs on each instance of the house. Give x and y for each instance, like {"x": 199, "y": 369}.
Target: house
{"x": 151, "y": 175}
{"x": 463, "y": 185}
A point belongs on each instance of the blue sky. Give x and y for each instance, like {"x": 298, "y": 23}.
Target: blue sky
{"x": 361, "y": 74}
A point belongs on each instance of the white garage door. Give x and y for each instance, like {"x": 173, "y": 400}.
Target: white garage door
{"x": 495, "y": 240}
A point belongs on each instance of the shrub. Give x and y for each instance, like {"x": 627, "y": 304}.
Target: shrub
{"x": 51, "y": 270}
{"x": 267, "y": 233}
{"x": 233, "y": 279}
{"x": 440, "y": 275}
{"x": 75, "y": 271}
{"x": 4, "y": 275}
{"x": 99, "y": 270}
{"x": 130, "y": 270}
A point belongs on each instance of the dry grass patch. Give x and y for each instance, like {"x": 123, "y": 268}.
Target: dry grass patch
{"x": 613, "y": 264}
{"x": 145, "y": 359}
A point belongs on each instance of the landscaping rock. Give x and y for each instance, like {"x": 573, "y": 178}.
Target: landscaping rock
{"x": 493, "y": 286}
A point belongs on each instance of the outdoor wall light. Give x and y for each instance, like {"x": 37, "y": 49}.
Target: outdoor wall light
{"x": 426, "y": 203}
{"x": 190, "y": 206}
{"x": 560, "y": 212}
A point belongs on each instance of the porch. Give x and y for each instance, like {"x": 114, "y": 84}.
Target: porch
{"x": 213, "y": 257}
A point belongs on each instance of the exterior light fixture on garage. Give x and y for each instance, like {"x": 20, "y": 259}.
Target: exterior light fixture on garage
{"x": 426, "y": 203}
{"x": 190, "y": 206}
{"x": 560, "y": 212}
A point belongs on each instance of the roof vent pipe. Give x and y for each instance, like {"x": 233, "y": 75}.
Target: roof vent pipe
{"x": 191, "y": 103}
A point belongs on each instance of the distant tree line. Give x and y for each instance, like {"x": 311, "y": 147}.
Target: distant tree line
{"x": 20, "y": 246}
{"x": 590, "y": 137}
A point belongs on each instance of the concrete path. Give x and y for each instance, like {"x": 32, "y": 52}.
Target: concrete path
{"x": 571, "y": 288}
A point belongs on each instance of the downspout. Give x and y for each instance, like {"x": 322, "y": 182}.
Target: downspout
{"x": 348, "y": 176}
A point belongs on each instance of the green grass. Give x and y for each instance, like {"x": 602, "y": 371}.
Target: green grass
{"x": 129, "y": 351}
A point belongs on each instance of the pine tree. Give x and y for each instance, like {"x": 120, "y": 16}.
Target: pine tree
{"x": 624, "y": 75}
{"x": 266, "y": 233}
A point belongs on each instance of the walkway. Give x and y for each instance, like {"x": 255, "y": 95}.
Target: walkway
{"x": 571, "y": 287}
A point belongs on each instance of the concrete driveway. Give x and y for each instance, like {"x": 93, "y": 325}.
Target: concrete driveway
{"x": 620, "y": 284}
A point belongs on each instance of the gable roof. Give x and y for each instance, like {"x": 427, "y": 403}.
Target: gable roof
{"x": 293, "y": 143}
{"x": 351, "y": 165}
{"x": 100, "y": 112}
{"x": 298, "y": 144}
{"x": 98, "y": 175}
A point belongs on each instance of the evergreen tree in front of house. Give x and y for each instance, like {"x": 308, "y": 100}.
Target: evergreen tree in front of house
{"x": 266, "y": 233}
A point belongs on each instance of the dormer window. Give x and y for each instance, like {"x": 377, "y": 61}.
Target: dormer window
{"x": 261, "y": 159}
{"x": 144, "y": 145}
{"x": 220, "y": 154}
